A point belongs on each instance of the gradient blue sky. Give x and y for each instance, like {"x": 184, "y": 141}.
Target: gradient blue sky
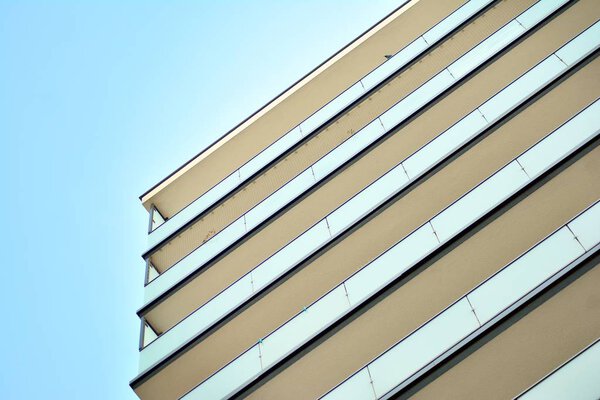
{"x": 99, "y": 101}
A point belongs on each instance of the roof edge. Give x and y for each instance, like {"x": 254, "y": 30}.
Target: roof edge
{"x": 273, "y": 100}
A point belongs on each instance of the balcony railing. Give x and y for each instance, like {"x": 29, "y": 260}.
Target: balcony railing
{"x": 352, "y": 146}
{"x": 362, "y": 204}
{"x": 439, "y": 230}
{"x": 479, "y": 308}
{"x": 577, "y": 378}
{"x": 167, "y": 228}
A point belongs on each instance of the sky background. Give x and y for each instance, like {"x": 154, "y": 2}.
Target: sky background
{"x": 98, "y": 102}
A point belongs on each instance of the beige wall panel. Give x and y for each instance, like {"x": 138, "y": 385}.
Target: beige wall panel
{"x": 446, "y": 280}
{"x": 343, "y": 128}
{"x": 322, "y": 368}
{"x": 528, "y": 350}
{"x": 581, "y": 90}
{"x": 244, "y": 144}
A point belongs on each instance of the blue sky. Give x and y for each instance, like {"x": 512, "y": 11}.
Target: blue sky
{"x": 99, "y": 101}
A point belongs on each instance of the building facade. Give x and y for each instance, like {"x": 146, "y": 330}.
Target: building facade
{"x": 416, "y": 217}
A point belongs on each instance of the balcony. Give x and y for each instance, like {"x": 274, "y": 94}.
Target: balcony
{"x": 162, "y": 230}
{"x": 338, "y": 221}
{"x": 477, "y": 310}
{"x": 438, "y": 230}
{"x": 331, "y": 162}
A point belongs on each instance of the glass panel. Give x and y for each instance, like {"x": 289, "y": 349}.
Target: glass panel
{"x": 220, "y": 190}
{"x": 152, "y": 272}
{"x": 479, "y": 201}
{"x": 225, "y": 237}
{"x": 149, "y": 335}
{"x": 358, "y": 387}
{"x": 218, "y": 306}
{"x": 390, "y": 264}
{"x": 586, "y": 227}
{"x": 197, "y": 322}
{"x": 270, "y": 153}
{"x": 444, "y": 144}
{"x": 422, "y": 346}
{"x": 486, "y": 49}
{"x": 291, "y": 254}
{"x": 197, "y": 257}
{"x": 156, "y": 219}
{"x": 453, "y": 20}
{"x": 195, "y": 208}
{"x": 416, "y": 99}
{"x": 217, "y": 243}
{"x": 538, "y": 11}
{"x": 449, "y": 327}
{"x": 304, "y": 325}
{"x": 581, "y": 46}
{"x": 366, "y": 200}
{"x": 395, "y": 63}
{"x": 279, "y": 198}
{"x": 347, "y": 149}
{"x": 563, "y": 141}
{"x": 332, "y": 108}
{"x": 229, "y": 378}
{"x": 577, "y": 379}
{"x": 524, "y": 274}
{"x": 521, "y": 89}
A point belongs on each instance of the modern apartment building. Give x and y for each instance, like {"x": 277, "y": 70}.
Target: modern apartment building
{"x": 417, "y": 217}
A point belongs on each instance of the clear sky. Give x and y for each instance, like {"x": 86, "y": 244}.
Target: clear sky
{"x": 99, "y": 101}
